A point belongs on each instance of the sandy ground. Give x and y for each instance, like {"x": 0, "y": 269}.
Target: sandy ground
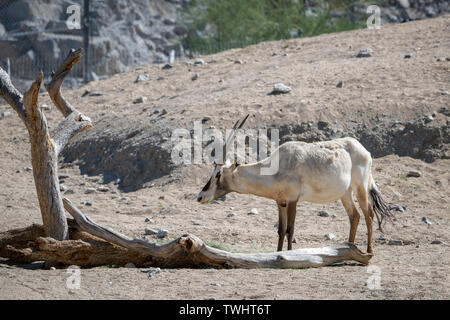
{"x": 389, "y": 87}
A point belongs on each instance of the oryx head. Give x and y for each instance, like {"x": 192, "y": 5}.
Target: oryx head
{"x": 217, "y": 185}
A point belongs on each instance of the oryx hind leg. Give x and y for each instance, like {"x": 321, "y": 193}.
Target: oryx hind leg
{"x": 362, "y": 196}
{"x": 353, "y": 214}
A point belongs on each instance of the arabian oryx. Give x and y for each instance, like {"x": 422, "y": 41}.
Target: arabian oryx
{"x": 318, "y": 172}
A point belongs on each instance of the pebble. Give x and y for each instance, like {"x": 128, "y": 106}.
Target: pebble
{"x": 130, "y": 265}
{"x": 428, "y": 118}
{"x": 231, "y": 215}
{"x": 95, "y": 94}
{"x": 167, "y": 66}
{"x": 253, "y": 211}
{"x": 339, "y": 84}
{"x": 141, "y": 77}
{"x": 436, "y": 242}
{"x": 103, "y": 189}
{"x": 87, "y": 203}
{"x": 69, "y": 191}
{"x": 63, "y": 176}
{"x": 428, "y": 222}
{"x": 150, "y": 231}
{"x": 140, "y": 100}
{"x": 395, "y": 242}
{"x": 90, "y": 190}
{"x": 195, "y": 77}
{"x": 216, "y": 284}
{"x": 330, "y": 236}
{"x": 28, "y": 169}
{"x": 52, "y": 268}
{"x": 162, "y": 233}
{"x": 400, "y": 209}
{"x": 444, "y": 93}
{"x": 364, "y": 53}
{"x": 63, "y": 187}
{"x": 125, "y": 199}
{"x": 45, "y": 107}
{"x": 408, "y": 55}
{"x": 199, "y": 61}
{"x": 415, "y": 174}
{"x": 294, "y": 240}
{"x": 5, "y": 114}
{"x": 333, "y": 215}
{"x": 148, "y": 220}
{"x": 238, "y": 62}
{"x": 281, "y": 88}
{"x": 323, "y": 214}
{"x": 151, "y": 271}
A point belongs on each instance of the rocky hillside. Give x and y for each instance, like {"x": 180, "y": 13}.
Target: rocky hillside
{"x": 125, "y": 33}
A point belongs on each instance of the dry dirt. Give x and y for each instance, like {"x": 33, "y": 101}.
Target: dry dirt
{"x": 376, "y": 91}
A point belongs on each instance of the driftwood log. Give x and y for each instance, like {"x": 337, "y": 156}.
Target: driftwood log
{"x": 81, "y": 241}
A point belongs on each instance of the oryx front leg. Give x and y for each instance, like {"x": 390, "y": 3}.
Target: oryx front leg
{"x": 282, "y": 224}
{"x": 291, "y": 213}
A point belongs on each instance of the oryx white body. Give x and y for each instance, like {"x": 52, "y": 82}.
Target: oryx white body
{"x": 319, "y": 172}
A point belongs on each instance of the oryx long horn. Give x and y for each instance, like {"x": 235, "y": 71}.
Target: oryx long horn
{"x": 236, "y": 126}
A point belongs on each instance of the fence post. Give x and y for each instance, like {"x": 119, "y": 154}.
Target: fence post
{"x": 86, "y": 25}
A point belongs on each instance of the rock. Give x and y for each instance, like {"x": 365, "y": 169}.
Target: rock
{"x": 87, "y": 203}
{"x": 333, "y": 215}
{"x": 339, "y": 84}
{"x": 400, "y": 209}
{"x": 280, "y": 88}
{"x": 63, "y": 187}
{"x": 428, "y": 118}
{"x": 28, "y": 169}
{"x": 415, "y": 174}
{"x": 323, "y": 214}
{"x": 231, "y": 215}
{"x": 148, "y": 220}
{"x": 444, "y": 93}
{"x": 140, "y": 100}
{"x": 151, "y": 272}
{"x": 436, "y": 242}
{"x": 294, "y": 240}
{"x": 199, "y": 62}
{"x": 253, "y": 211}
{"x": 330, "y": 236}
{"x": 5, "y": 114}
{"x": 195, "y": 77}
{"x": 428, "y": 222}
{"x": 162, "y": 233}
{"x": 69, "y": 191}
{"x": 141, "y": 77}
{"x": 216, "y": 284}
{"x": 125, "y": 199}
{"x": 130, "y": 265}
{"x": 365, "y": 53}
{"x": 167, "y": 66}
{"x": 63, "y": 176}
{"x": 45, "y": 107}
{"x": 206, "y": 118}
{"x": 238, "y": 62}
{"x": 149, "y": 231}
{"x": 395, "y": 242}
{"x": 95, "y": 94}
{"x": 408, "y": 55}
{"x": 90, "y": 190}
{"x": 103, "y": 189}
{"x": 52, "y": 268}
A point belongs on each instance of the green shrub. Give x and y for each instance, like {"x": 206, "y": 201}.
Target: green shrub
{"x": 216, "y": 25}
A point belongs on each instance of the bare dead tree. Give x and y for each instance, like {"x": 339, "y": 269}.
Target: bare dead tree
{"x": 90, "y": 244}
{"x": 45, "y": 145}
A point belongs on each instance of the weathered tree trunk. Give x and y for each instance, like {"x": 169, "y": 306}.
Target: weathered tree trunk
{"x": 46, "y": 146}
